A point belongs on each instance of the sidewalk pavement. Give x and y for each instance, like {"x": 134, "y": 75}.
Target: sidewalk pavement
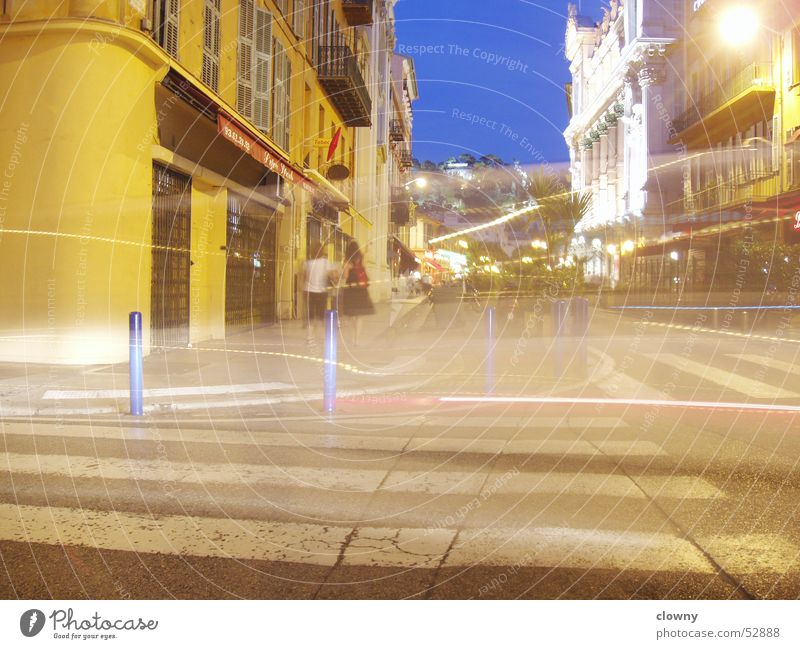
{"x": 264, "y": 366}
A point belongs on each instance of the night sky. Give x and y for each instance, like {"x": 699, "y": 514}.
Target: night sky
{"x": 491, "y": 75}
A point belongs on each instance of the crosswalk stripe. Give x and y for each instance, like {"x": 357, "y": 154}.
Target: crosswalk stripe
{"x": 167, "y": 392}
{"x": 368, "y": 546}
{"x": 783, "y": 366}
{"x": 432, "y": 482}
{"x": 343, "y": 440}
{"x": 724, "y": 378}
{"x": 577, "y": 548}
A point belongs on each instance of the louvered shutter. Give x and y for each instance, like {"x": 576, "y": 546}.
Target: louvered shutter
{"x": 279, "y": 99}
{"x": 287, "y": 110}
{"x": 299, "y": 19}
{"x": 169, "y": 29}
{"x": 210, "y": 71}
{"x": 244, "y": 78}
{"x": 262, "y": 69}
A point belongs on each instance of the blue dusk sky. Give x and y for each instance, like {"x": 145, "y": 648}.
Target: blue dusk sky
{"x": 491, "y": 76}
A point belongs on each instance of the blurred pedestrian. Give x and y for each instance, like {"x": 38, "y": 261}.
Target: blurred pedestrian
{"x": 319, "y": 275}
{"x": 354, "y": 300}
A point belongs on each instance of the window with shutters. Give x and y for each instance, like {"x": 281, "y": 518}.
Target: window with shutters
{"x": 281, "y": 97}
{"x": 299, "y": 19}
{"x": 211, "y": 11}
{"x": 244, "y": 65}
{"x": 283, "y": 6}
{"x": 262, "y": 69}
{"x": 165, "y": 29}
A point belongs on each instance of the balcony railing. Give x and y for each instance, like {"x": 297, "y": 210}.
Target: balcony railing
{"x": 357, "y": 12}
{"x": 340, "y": 77}
{"x": 404, "y": 159}
{"x": 755, "y": 75}
{"x": 396, "y": 131}
{"x": 757, "y": 186}
{"x": 401, "y": 206}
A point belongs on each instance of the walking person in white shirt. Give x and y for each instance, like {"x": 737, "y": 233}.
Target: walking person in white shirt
{"x": 318, "y": 275}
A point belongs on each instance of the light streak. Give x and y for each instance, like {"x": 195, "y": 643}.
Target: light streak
{"x": 580, "y": 401}
{"x": 503, "y": 219}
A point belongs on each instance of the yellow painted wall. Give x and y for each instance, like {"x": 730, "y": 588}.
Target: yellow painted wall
{"x": 77, "y": 196}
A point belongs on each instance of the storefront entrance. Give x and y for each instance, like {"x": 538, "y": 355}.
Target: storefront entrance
{"x": 251, "y": 266}
{"x": 169, "y": 292}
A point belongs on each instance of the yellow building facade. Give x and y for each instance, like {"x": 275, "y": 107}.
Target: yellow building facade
{"x": 169, "y": 157}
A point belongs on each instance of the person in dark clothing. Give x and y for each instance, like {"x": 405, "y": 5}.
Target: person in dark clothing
{"x": 354, "y": 300}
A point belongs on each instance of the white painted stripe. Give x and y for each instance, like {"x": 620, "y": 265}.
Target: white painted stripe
{"x": 565, "y": 547}
{"x": 600, "y": 484}
{"x": 167, "y": 392}
{"x": 726, "y": 379}
{"x": 400, "y": 547}
{"x": 433, "y": 482}
{"x": 783, "y": 366}
{"x": 341, "y": 440}
{"x": 181, "y": 535}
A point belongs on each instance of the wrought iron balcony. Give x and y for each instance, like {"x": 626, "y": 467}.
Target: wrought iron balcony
{"x": 340, "y": 77}
{"x": 357, "y": 12}
{"x": 400, "y": 212}
{"x": 754, "y": 78}
{"x": 396, "y": 131}
{"x": 404, "y": 159}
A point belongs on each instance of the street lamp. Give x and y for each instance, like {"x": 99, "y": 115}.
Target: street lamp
{"x": 463, "y": 244}
{"x": 738, "y": 25}
{"x": 421, "y": 182}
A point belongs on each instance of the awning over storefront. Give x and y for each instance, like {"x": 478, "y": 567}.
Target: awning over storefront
{"x": 435, "y": 266}
{"x": 408, "y": 260}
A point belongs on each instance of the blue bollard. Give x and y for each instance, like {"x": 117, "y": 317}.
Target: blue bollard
{"x": 329, "y": 375}
{"x": 490, "y": 345}
{"x": 559, "y": 313}
{"x": 135, "y": 351}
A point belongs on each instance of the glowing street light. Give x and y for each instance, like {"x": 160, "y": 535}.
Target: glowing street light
{"x": 539, "y": 244}
{"x": 420, "y": 181}
{"x": 628, "y": 246}
{"x": 463, "y": 244}
{"x": 612, "y": 249}
{"x": 738, "y": 25}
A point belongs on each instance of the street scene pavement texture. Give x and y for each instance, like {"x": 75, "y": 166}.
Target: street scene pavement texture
{"x": 455, "y": 465}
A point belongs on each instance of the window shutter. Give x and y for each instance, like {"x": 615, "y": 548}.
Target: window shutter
{"x": 287, "y": 111}
{"x": 262, "y": 69}
{"x": 210, "y": 71}
{"x": 167, "y": 14}
{"x": 244, "y": 78}
{"x": 299, "y": 19}
{"x": 279, "y": 99}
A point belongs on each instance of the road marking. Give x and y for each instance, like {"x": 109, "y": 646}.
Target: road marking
{"x": 565, "y": 547}
{"x": 783, "y": 366}
{"x": 340, "y": 439}
{"x": 167, "y": 392}
{"x": 180, "y": 535}
{"x": 753, "y": 553}
{"x": 321, "y": 545}
{"x": 431, "y": 482}
{"x": 726, "y": 379}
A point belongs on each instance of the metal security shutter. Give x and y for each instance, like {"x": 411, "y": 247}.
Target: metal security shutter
{"x": 250, "y": 266}
{"x": 244, "y": 77}
{"x": 211, "y": 12}
{"x": 171, "y": 241}
{"x": 280, "y": 122}
{"x": 262, "y": 69}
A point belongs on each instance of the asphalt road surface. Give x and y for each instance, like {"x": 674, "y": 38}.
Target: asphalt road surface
{"x": 407, "y": 495}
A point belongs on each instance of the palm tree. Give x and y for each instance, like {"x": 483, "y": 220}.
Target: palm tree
{"x": 559, "y": 209}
